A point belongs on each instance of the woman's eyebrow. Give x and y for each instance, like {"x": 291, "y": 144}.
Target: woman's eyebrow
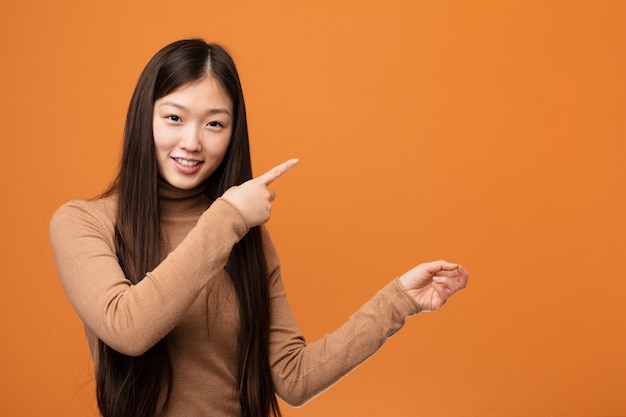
{"x": 184, "y": 108}
{"x": 173, "y": 104}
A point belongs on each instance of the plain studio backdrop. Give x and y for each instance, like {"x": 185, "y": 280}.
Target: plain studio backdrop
{"x": 491, "y": 133}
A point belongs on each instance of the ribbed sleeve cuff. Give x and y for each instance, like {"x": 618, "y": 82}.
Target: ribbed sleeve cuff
{"x": 227, "y": 210}
{"x": 408, "y": 303}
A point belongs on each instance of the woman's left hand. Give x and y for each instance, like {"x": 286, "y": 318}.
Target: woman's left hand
{"x": 431, "y": 284}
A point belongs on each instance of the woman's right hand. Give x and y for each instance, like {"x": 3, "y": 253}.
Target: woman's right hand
{"x": 253, "y": 198}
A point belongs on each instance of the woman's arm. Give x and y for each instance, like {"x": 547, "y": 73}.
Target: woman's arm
{"x": 302, "y": 371}
{"x": 132, "y": 318}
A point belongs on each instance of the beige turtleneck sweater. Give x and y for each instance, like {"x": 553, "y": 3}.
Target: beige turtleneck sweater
{"x": 189, "y": 297}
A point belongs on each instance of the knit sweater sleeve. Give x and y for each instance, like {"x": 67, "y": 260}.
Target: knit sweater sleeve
{"x": 132, "y": 318}
{"x": 301, "y": 371}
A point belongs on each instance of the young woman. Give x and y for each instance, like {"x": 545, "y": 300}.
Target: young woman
{"x": 177, "y": 281}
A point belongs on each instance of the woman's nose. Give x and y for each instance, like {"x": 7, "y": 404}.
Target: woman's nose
{"x": 191, "y": 140}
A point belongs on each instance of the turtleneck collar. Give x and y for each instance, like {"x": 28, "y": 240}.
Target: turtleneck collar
{"x": 177, "y": 202}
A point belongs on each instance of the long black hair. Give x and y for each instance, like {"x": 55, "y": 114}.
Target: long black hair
{"x": 140, "y": 386}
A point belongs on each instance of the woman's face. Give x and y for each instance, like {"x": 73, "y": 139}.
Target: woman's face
{"x": 192, "y": 129}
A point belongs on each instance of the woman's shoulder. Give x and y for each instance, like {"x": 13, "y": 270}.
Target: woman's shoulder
{"x": 99, "y": 212}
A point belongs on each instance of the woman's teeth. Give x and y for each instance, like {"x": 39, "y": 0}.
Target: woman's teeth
{"x": 186, "y": 162}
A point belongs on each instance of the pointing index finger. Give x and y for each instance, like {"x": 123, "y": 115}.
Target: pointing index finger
{"x": 276, "y": 172}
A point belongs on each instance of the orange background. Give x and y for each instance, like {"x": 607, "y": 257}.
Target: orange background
{"x": 491, "y": 133}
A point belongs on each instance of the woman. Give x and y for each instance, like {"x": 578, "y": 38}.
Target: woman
{"x": 177, "y": 281}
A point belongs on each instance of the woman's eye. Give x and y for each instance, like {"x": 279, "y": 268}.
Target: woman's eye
{"x": 215, "y": 124}
{"x": 173, "y": 118}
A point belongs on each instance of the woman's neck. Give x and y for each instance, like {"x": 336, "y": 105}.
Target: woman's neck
{"x": 179, "y": 202}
